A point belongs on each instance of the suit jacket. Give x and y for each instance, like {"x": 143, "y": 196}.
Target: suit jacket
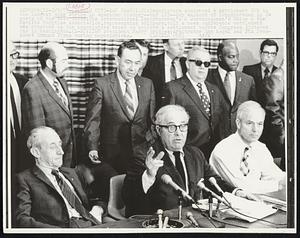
{"x": 39, "y": 203}
{"x": 255, "y": 72}
{"x": 42, "y": 107}
{"x": 244, "y": 91}
{"x": 109, "y": 128}
{"x": 155, "y": 70}
{"x": 204, "y": 131}
{"x": 161, "y": 195}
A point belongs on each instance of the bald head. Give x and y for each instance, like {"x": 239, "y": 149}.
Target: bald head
{"x": 228, "y": 55}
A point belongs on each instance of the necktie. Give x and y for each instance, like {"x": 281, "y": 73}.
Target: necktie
{"x": 179, "y": 166}
{"x": 227, "y": 85}
{"x": 16, "y": 125}
{"x": 172, "y": 70}
{"x": 70, "y": 195}
{"x": 128, "y": 96}
{"x": 266, "y": 71}
{"x": 245, "y": 162}
{"x": 204, "y": 99}
{"x": 59, "y": 93}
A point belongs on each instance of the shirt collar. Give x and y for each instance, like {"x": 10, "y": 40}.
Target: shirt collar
{"x": 263, "y": 68}
{"x": 50, "y": 80}
{"x": 192, "y": 81}
{"x": 170, "y": 153}
{"x": 46, "y": 169}
{"x": 121, "y": 79}
{"x": 223, "y": 72}
{"x": 242, "y": 143}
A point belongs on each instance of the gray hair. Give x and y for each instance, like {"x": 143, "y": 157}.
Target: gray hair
{"x": 197, "y": 48}
{"x": 165, "y": 109}
{"x": 247, "y": 107}
{"x": 34, "y": 139}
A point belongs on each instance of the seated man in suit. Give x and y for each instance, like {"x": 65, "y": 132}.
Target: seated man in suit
{"x": 242, "y": 160}
{"x": 261, "y": 71}
{"x": 144, "y": 191}
{"x": 202, "y": 100}
{"x": 49, "y": 195}
{"x": 167, "y": 66}
{"x": 235, "y": 86}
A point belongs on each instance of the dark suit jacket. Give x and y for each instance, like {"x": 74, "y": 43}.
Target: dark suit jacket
{"x": 42, "y": 107}
{"x": 155, "y": 70}
{"x": 161, "y": 195}
{"x": 245, "y": 90}
{"x": 39, "y": 203}
{"x": 109, "y": 128}
{"x": 255, "y": 71}
{"x": 204, "y": 132}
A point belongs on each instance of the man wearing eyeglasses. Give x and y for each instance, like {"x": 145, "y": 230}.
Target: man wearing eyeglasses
{"x": 202, "y": 100}
{"x": 235, "y": 86}
{"x": 46, "y": 100}
{"x": 261, "y": 71}
{"x": 144, "y": 190}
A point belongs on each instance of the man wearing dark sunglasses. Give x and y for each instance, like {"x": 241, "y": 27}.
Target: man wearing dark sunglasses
{"x": 262, "y": 70}
{"x": 235, "y": 86}
{"x": 202, "y": 100}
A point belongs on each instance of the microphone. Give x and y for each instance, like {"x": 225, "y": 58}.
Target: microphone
{"x": 213, "y": 181}
{"x": 190, "y": 217}
{"x": 168, "y": 180}
{"x": 201, "y": 185}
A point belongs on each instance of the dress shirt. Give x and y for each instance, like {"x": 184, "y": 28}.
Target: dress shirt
{"x": 168, "y": 62}
{"x": 47, "y": 171}
{"x": 17, "y": 97}
{"x": 147, "y": 181}
{"x": 263, "y": 71}
{"x": 194, "y": 83}
{"x": 264, "y": 174}
{"x": 232, "y": 79}
{"x": 51, "y": 82}
{"x": 133, "y": 89}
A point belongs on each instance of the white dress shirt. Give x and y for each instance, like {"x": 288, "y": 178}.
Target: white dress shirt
{"x": 147, "y": 181}
{"x": 168, "y": 62}
{"x": 264, "y": 174}
{"x": 47, "y": 171}
{"x": 232, "y": 80}
{"x": 132, "y": 86}
{"x": 263, "y": 71}
{"x": 17, "y": 97}
{"x": 194, "y": 83}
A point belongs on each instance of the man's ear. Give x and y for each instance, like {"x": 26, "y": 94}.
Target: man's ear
{"x": 49, "y": 63}
{"x": 187, "y": 64}
{"x": 238, "y": 123}
{"x": 220, "y": 58}
{"x": 157, "y": 128}
{"x": 117, "y": 60}
{"x": 166, "y": 46}
{"x": 35, "y": 152}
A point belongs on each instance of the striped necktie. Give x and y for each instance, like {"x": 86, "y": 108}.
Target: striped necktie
{"x": 59, "y": 93}
{"x": 128, "y": 97}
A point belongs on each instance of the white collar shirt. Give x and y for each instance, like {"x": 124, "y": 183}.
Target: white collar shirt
{"x": 194, "y": 83}
{"x": 168, "y": 62}
{"x": 232, "y": 79}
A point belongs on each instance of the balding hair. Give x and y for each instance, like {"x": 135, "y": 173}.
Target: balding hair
{"x": 34, "y": 139}
{"x": 247, "y": 107}
{"x": 159, "y": 116}
{"x": 197, "y": 48}
{"x": 48, "y": 52}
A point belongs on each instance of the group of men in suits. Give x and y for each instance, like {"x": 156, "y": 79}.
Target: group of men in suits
{"x": 122, "y": 105}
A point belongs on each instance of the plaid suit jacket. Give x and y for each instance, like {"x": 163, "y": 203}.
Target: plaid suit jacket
{"x": 42, "y": 107}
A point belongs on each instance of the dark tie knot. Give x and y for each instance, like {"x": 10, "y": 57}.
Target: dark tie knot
{"x": 267, "y": 71}
{"x": 176, "y": 154}
{"x": 55, "y": 172}
{"x": 199, "y": 85}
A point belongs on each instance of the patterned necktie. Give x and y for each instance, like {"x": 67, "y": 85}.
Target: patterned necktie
{"x": 204, "y": 99}
{"x": 128, "y": 96}
{"x": 245, "y": 162}
{"x": 70, "y": 195}
{"x": 172, "y": 70}
{"x": 227, "y": 85}
{"x": 266, "y": 71}
{"x": 179, "y": 166}
{"x": 59, "y": 93}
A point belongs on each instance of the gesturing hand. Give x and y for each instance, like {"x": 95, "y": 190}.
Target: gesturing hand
{"x": 153, "y": 164}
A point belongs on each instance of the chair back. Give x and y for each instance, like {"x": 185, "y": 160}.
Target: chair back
{"x": 116, "y": 207}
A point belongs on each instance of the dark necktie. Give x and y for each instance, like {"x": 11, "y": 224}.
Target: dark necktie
{"x": 60, "y": 93}
{"x": 266, "y": 71}
{"x": 17, "y": 128}
{"x": 172, "y": 70}
{"x": 245, "y": 162}
{"x": 179, "y": 166}
{"x": 70, "y": 195}
{"x": 227, "y": 85}
{"x": 204, "y": 99}
{"x": 128, "y": 97}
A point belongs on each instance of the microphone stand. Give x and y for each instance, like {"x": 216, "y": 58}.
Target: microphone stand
{"x": 180, "y": 207}
{"x": 210, "y": 205}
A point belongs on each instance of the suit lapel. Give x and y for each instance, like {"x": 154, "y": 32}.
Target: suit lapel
{"x": 116, "y": 88}
{"x": 141, "y": 92}
{"x": 211, "y": 93}
{"x": 238, "y": 87}
{"x": 191, "y": 92}
{"x": 190, "y": 167}
{"x": 40, "y": 175}
{"x": 217, "y": 78}
{"x": 52, "y": 94}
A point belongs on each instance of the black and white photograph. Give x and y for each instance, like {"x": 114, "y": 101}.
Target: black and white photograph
{"x": 149, "y": 118}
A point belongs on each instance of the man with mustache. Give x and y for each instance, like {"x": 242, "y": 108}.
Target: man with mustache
{"x": 242, "y": 160}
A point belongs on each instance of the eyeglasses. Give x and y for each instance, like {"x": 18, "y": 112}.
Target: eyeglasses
{"x": 269, "y": 53}
{"x": 199, "y": 63}
{"x": 15, "y": 55}
{"x": 173, "y": 128}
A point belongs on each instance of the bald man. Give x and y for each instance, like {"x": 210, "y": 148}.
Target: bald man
{"x": 203, "y": 101}
{"x": 46, "y": 100}
{"x": 235, "y": 86}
